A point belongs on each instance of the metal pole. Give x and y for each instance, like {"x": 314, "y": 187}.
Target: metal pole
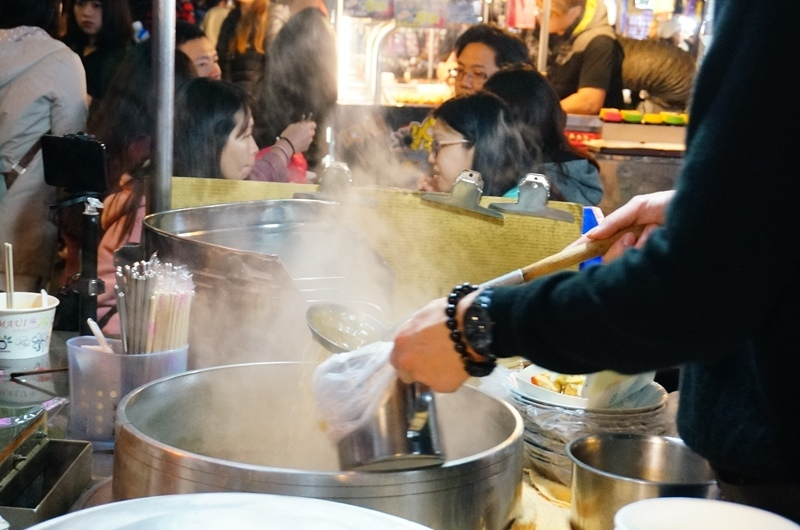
{"x": 159, "y": 188}
{"x": 544, "y": 37}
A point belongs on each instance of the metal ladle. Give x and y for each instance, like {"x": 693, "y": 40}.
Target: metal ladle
{"x": 340, "y": 328}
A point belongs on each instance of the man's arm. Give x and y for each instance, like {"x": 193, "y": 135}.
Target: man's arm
{"x": 586, "y": 100}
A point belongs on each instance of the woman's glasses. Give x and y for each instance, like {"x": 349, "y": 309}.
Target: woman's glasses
{"x": 436, "y": 145}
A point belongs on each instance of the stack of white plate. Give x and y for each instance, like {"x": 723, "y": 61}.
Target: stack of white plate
{"x": 552, "y": 420}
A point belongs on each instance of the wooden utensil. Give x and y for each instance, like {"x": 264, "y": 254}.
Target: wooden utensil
{"x": 341, "y": 328}
{"x": 566, "y": 258}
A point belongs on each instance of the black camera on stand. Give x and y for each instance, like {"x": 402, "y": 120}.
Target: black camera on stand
{"x": 78, "y": 164}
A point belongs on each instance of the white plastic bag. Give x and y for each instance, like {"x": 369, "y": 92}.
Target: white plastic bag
{"x": 609, "y": 389}
{"x": 348, "y": 387}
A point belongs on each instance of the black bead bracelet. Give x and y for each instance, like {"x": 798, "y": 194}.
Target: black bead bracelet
{"x": 473, "y": 367}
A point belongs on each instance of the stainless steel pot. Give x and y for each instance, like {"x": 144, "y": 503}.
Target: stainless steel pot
{"x": 611, "y": 470}
{"x": 252, "y": 428}
{"x": 257, "y": 266}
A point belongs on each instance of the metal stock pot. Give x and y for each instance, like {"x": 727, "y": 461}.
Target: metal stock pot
{"x": 252, "y": 428}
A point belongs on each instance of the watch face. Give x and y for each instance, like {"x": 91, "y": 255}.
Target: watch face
{"x": 478, "y": 328}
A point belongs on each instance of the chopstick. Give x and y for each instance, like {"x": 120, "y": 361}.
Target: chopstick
{"x": 9, "y": 255}
{"x": 154, "y": 301}
{"x": 14, "y": 375}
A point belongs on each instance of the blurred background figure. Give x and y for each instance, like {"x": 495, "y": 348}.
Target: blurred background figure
{"x": 476, "y": 132}
{"x": 242, "y": 44}
{"x": 191, "y": 40}
{"x": 42, "y": 90}
{"x": 100, "y": 32}
{"x": 481, "y": 51}
{"x": 584, "y": 61}
{"x": 574, "y": 176}
{"x": 301, "y": 79}
{"x": 213, "y": 19}
{"x": 124, "y": 121}
{"x": 214, "y": 136}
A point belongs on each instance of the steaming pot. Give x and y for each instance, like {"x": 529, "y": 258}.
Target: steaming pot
{"x": 258, "y": 265}
{"x": 252, "y": 428}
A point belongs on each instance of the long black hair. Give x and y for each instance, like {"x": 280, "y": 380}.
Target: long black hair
{"x": 125, "y": 120}
{"x": 536, "y": 109}
{"x": 484, "y": 120}
{"x": 537, "y": 113}
{"x": 116, "y": 30}
{"x": 206, "y": 112}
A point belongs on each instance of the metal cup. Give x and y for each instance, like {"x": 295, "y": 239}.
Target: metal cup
{"x": 403, "y": 433}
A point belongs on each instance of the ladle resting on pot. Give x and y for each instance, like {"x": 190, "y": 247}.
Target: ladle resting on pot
{"x": 339, "y": 327}
{"x": 395, "y": 425}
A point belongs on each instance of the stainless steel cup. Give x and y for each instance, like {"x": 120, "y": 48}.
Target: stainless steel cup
{"x": 403, "y": 433}
{"x": 611, "y": 470}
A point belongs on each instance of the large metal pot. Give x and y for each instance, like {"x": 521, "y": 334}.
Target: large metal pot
{"x": 257, "y": 266}
{"x": 252, "y": 428}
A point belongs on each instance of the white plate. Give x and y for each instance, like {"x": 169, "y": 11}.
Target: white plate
{"x": 696, "y": 514}
{"x": 521, "y": 381}
{"x": 651, "y": 397}
{"x": 242, "y": 511}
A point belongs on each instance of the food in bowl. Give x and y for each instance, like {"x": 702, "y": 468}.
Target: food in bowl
{"x": 570, "y": 385}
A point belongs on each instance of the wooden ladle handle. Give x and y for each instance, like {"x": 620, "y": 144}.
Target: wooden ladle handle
{"x": 561, "y": 260}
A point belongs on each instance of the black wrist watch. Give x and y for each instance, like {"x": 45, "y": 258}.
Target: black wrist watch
{"x": 478, "y": 325}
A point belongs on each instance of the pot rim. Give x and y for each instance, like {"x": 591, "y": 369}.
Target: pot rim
{"x": 485, "y": 463}
{"x": 577, "y": 463}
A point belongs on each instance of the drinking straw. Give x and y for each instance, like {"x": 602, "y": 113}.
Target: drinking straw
{"x": 9, "y": 254}
{"x": 44, "y": 298}
{"x": 101, "y": 339}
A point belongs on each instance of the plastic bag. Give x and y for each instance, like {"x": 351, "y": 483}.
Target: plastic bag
{"x": 348, "y": 387}
{"x": 609, "y": 389}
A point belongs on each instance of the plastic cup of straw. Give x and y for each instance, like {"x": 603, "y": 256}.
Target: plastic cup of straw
{"x": 26, "y": 328}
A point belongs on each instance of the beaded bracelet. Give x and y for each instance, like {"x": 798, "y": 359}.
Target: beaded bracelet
{"x": 279, "y": 138}
{"x": 473, "y": 367}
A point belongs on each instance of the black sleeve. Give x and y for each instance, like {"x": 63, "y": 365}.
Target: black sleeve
{"x": 601, "y": 60}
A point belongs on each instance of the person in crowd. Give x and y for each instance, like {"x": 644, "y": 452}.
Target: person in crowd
{"x": 301, "y": 77}
{"x": 683, "y": 293}
{"x": 100, "y": 32}
{"x": 191, "y": 40}
{"x": 124, "y": 122}
{"x": 584, "y": 61}
{"x": 214, "y": 136}
{"x": 574, "y": 176}
{"x": 476, "y": 132}
{"x": 215, "y": 16}
{"x": 243, "y": 43}
{"x": 42, "y": 90}
{"x": 481, "y": 51}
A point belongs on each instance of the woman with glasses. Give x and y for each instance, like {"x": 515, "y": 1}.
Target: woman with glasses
{"x": 476, "y": 132}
